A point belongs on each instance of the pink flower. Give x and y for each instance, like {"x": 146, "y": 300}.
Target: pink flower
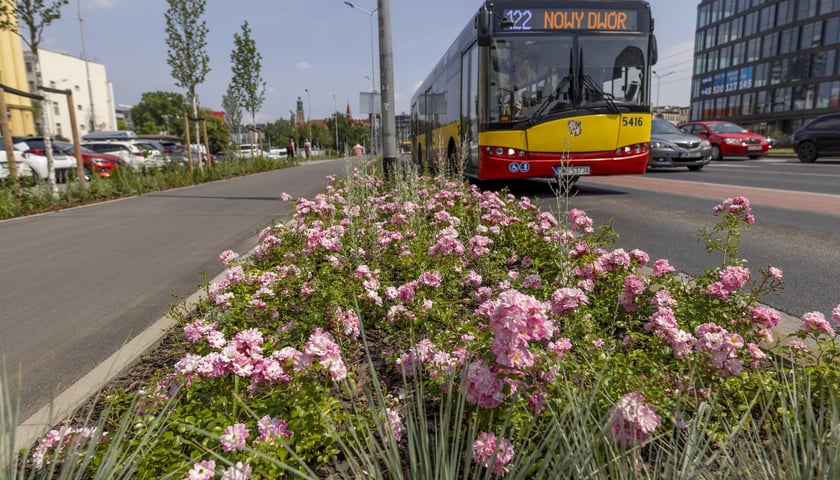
{"x": 532, "y": 282}
{"x": 240, "y": 471}
{"x": 798, "y": 345}
{"x": 396, "y": 423}
{"x": 580, "y": 222}
{"x": 228, "y": 257}
{"x": 662, "y": 267}
{"x": 632, "y": 420}
{"x": 835, "y": 313}
{"x": 815, "y": 322}
{"x": 204, "y": 470}
{"x": 271, "y": 429}
{"x": 487, "y": 448}
{"x": 775, "y": 273}
{"x": 734, "y": 278}
{"x": 564, "y": 301}
{"x": 234, "y": 437}
{"x": 483, "y": 387}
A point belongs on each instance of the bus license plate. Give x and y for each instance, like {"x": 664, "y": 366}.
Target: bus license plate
{"x": 571, "y": 170}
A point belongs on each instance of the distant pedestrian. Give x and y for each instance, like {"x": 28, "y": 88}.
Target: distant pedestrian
{"x": 290, "y": 148}
{"x": 307, "y": 148}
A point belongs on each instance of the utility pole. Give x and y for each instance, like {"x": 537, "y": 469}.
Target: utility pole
{"x": 386, "y": 86}
{"x": 87, "y": 70}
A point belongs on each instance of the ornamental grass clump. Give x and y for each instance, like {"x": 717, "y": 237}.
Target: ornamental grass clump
{"x": 424, "y": 328}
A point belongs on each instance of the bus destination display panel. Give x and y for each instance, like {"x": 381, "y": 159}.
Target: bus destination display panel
{"x": 543, "y": 19}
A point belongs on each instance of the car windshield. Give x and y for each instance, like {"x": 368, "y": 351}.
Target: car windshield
{"x": 726, "y": 128}
{"x": 663, "y": 127}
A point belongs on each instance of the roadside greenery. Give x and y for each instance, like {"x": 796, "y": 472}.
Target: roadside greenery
{"x": 126, "y": 182}
{"x": 424, "y": 328}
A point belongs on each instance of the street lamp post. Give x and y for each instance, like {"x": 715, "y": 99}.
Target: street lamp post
{"x": 335, "y": 107}
{"x": 370, "y": 13}
{"x": 309, "y": 113}
{"x": 659, "y": 82}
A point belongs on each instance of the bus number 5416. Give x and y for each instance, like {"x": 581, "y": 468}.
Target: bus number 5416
{"x": 632, "y": 121}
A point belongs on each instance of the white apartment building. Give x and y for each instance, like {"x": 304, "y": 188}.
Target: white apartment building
{"x": 66, "y": 72}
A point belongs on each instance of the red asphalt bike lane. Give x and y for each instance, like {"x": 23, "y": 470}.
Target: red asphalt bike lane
{"x": 788, "y": 199}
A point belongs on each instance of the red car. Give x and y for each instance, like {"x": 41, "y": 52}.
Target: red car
{"x": 728, "y": 139}
{"x": 101, "y": 163}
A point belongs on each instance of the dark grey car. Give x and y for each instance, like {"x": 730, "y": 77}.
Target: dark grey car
{"x": 669, "y": 147}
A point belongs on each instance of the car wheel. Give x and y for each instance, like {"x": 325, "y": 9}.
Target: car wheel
{"x": 716, "y": 153}
{"x": 807, "y": 152}
{"x": 695, "y": 168}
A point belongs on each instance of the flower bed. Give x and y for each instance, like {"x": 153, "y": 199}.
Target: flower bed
{"x": 424, "y": 325}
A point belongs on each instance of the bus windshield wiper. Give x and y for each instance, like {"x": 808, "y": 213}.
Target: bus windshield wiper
{"x": 553, "y": 98}
{"x": 592, "y": 86}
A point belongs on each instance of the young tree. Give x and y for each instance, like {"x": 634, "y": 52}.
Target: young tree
{"x": 233, "y": 110}
{"x": 35, "y": 15}
{"x": 246, "y": 63}
{"x": 186, "y": 55}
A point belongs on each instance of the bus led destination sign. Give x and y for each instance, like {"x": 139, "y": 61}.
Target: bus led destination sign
{"x": 572, "y": 19}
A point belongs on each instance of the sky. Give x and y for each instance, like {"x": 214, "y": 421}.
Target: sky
{"x": 322, "y": 46}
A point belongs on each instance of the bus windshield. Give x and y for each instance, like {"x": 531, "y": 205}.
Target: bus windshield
{"x": 534, "y": 76}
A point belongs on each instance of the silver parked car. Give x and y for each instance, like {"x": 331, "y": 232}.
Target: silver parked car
{"x": 669, "y": 147}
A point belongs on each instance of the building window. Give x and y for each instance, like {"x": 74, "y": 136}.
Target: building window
{"x": 748, "y": 104}
{"x": 736, "y": 28}
{"x": 803, "y": 97}
{"x": 709, "y": 109}
{"x": 720, "y": 107}
{"x": 712, "y": 60}
{"x": 785, "y": 12}
{"x": 725, "y": 54}
{"x": 79, "y": 107}
{"x": 702, "y": 16}
{"x": 800, "y": 68}
{"x": 738, "y": 54}
{"x": 761, "y": 75}
{"x": 700, "y": 63}
{"x": 787, "y": 42}
{"x": 710, "y": 37}
{"x": 723, "y": 33}
{"x": 751, "y": 24}
{"x": 781, "y": 100}
{"x": 811, "y": 35}
{"x": 734, "y": 105}
{"x": 770, "y": 45}
{"x": 768, "y": 17}
{"x": 28, "y": 67}
{"x": 822, "y": 64}
{"x": 717, "y": 10}
{"x": 58, "y": 130}
{"x": 832, "y": 27}
{"x": 55, "y": 108}
{"x": 52, "y": 84}
{"x": 77, "y": 88}
{"x": 728, "y": 8}
{"x": 779, "y": 71}
{"x": 753, "y": 49}
{"x": 807, "y": 9}
{"x": 829, "y": 6}
{"x": 762, "y": 102}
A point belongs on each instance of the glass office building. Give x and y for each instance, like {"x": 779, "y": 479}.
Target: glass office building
{"x": 768, "y": 65}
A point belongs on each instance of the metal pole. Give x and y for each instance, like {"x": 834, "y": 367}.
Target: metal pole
{"x": 309, "y": 113}
{"x": 87, "y": 70}
{"x": 372, "y": 76}
{"x": 335, "y": 107}
{"x": 386, "y": 83}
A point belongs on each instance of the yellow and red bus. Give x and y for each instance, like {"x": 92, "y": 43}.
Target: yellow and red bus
{"x": 539, "y": 88}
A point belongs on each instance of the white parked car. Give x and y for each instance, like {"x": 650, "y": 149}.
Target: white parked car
{"x": 35, "y": 155}
{"x": 245, "y": 151}
{"x": 21, "y": 167}
{"x": 138, "y": 154}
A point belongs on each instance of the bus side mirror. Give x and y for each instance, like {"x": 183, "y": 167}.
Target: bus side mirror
{"x": 483, "y": 26}
{"x": 654, "y": 50}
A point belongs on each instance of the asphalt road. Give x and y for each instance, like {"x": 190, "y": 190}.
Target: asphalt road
{"x": 78, "y": 283}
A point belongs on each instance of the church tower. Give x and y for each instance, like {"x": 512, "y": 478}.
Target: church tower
{"x": 299, "y": 117}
